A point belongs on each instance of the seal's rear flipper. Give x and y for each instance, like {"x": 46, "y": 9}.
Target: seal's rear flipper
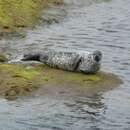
{"x": 28, "y": 57}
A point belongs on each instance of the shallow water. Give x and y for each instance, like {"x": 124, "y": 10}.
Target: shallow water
{"x": 89, "y": 25}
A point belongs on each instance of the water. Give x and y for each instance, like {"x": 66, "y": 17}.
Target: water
{"x": 89, "y": 25}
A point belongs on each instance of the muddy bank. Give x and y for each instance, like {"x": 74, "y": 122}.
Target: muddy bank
{"x": 18, "y": 14}
{"x": 18, "y": 80}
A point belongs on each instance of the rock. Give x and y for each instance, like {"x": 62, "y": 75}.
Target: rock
{"x": 3, "y": 58}
{"x": 21, "y": 80}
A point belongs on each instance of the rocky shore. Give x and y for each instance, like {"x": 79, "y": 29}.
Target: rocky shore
{"x": 16, "y": 15}
{"x": 19, "y": 79}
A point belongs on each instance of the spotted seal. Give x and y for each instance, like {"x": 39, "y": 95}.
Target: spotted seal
{"x": 70, "y": 61}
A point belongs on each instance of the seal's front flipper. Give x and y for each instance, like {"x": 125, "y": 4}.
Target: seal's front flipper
{"x": 28, "y": 57}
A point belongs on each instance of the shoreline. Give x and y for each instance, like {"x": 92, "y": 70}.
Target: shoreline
{"x": 16, "y": 16}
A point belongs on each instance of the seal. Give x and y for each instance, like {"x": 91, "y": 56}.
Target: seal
{"x": 84, "y": 62}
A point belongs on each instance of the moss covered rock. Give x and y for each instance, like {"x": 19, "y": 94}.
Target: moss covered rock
{"x": 16, "y": 14}
{"x": 18, "y": 80}
{"x": 3, "y": 58}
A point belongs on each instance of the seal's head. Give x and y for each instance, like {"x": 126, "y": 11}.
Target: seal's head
{"x": 90, "y": 63}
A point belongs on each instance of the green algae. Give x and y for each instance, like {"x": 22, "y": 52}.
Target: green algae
{"x": 61, "y": 77}
{"x": 17, "y": 80}
{"x": 20, "y": 71}
{"x": 17, "y": 14}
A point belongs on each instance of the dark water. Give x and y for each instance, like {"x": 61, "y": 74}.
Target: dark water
{"x": 89, "y": 25}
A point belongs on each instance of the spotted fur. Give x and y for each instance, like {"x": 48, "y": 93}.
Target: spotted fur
{"x": 70, "y": 61}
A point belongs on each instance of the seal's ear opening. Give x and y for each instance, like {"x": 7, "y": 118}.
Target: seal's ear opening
{"x": 97, "y": 55}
